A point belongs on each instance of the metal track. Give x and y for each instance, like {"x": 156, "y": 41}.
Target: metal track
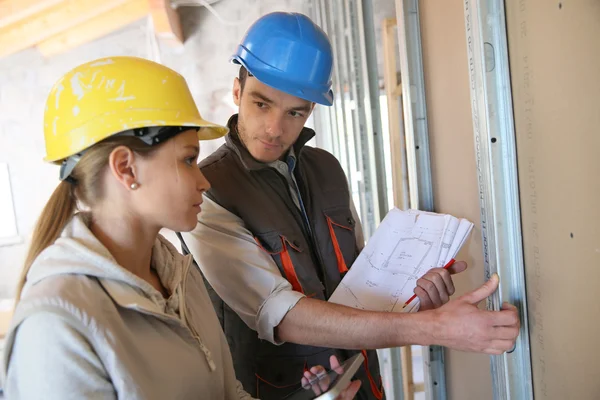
{"x": 495, "y": 148}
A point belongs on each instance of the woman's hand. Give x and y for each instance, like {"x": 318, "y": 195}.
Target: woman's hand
{"x": 318, "y": 380}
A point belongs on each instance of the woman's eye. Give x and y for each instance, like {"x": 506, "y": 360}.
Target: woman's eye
{"x": 191, "y": 160}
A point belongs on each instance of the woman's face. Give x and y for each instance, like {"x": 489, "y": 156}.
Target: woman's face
{"x": 171, "y": 184}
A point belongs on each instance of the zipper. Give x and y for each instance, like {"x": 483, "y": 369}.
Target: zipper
{"x": 307, "y": 228}
{"x": 293, "y": 209}
{"x": 186, "y": 326}
{"x": 315, "y": 249}
{"x": 183, "y": 315}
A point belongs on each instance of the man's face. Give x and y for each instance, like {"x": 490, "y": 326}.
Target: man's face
{"x": 269, "y": 120}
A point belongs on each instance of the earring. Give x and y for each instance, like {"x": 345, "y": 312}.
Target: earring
{"x": 134, "y": 185}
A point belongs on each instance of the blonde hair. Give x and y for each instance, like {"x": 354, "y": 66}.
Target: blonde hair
{"x": 86, "y": 188}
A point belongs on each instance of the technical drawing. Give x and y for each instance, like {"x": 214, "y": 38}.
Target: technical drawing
{"x": 405, "y": 246}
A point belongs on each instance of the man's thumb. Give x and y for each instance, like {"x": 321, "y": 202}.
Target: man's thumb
{"x": 483, "y": 291}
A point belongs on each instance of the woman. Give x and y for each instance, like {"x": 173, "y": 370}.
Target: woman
{"x": 107, "y": 308}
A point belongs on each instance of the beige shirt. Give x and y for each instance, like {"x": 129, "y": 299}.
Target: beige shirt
{"x": 87, "y": 328}
{"x": 242, "y": 274}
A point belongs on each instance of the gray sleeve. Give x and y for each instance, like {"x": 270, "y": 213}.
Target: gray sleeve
{"x": 242, "y": 274}
{"x": 50, "y": 359}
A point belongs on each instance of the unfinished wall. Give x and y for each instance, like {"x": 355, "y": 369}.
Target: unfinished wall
{"x": 382, "y": 9}
{"x": 453, "y": 167}
{"x": 555, "y": 63}
{"x": 26, "y": 78}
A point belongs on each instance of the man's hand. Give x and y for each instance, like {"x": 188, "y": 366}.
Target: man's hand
{"x": 435, "y": 287}
{"x": 463, "y": 326}
{"x": 318, "y": 380}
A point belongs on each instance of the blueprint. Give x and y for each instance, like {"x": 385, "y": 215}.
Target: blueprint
{"x": 404, "y": 247}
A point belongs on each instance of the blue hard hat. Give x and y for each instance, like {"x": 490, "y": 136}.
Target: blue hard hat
{"x": 289, "y": 52}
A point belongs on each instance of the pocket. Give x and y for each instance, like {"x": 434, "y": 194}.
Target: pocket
{"x": 341, "y": 231}
{"x": 278, "y": 376}
{"x": 278, "y": 246}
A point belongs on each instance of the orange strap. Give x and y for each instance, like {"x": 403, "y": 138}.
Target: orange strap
{"x": 376, "y": 392}
{"x": 288, "y": 268}
{"x": 288, "y": 265}
{"x": 336, "y": 246}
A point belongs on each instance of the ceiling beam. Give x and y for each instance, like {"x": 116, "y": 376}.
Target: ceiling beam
{"x": 167, "y": 23}
{"x": 94, "y": 28}
{"x": 16, "y": 10}
{"x": 52, "y": 21}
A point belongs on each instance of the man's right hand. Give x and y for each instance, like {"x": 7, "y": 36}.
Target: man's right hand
{"x": 465, "y": 327}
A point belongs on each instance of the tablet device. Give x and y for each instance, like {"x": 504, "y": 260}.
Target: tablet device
{"x": 339, "y": 379}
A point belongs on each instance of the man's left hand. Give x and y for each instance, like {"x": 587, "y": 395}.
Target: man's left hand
{"x": 435, "y": 287}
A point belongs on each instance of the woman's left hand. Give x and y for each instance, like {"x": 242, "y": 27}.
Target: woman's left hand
{"x": 319, "y": 380}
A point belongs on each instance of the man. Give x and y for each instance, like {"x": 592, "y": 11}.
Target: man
{"x": 279, "y": 231}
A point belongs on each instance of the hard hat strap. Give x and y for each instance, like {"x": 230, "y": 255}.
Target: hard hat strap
{"x": 149, "y": 135}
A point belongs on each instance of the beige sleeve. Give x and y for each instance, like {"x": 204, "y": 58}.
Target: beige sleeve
{"x": 241, "y": 273}
{"x": 243, "y": 395}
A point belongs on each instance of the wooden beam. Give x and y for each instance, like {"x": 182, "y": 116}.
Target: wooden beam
{"x": 41, "y": 26}
{"x": 167, "y": 24}
{"x": 95, "y": 28}
{"x": 16, "y": 10}
{"x": 393, "y": 90}
{"x": 418, "y": 387}
{"x": 5, "y": 317}
{"x": 398, "y": 90}
{"x": 407, "y": 373}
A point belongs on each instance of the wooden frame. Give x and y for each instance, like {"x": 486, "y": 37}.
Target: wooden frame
{"x": 393, "y": 89}
{"x": 95, "y": 28}
{"x": 56, "y": 26}
{"x": 399, "y": 177}
{"x": 167, "y": 23}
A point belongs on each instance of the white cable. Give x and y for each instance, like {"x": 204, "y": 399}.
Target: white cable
{"x": 176, "y": 4}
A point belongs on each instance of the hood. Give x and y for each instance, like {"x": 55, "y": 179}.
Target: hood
{"x": 78, "y": 251}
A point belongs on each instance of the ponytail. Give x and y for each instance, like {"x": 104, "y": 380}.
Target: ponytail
{"x": 88, "y": 190}
{"x": 56, "y": 214}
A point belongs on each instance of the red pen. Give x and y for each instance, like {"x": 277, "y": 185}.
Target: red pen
{"x": 414, "y": 296}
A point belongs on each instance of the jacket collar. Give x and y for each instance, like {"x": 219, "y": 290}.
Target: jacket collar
{"x": 233, "y": 141}
{"x": 78, "y": 252}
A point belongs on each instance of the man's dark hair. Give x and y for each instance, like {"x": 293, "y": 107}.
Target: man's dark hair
{"x": 242, "y": 77}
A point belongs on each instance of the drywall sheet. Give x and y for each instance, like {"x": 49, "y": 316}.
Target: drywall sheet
{"x": 554, "y": 51}
{"x": 452, "y": 149}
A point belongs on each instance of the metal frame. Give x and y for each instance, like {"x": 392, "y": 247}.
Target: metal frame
{"x": 351, "y": 55}
{"x": 347, "y": 33}
{"x": 400, "y": 176}
{"x": 370, "y": 76}
{"x": 417, "y": 154}
{"x": 493, "y": 126}
{"x": 355, "y": 121}
{"x": 414, "y": 107}
{"x": 355, "y": 117}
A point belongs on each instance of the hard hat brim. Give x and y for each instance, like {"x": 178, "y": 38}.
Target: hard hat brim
{"x": 270, "y": 78}
{"x": 140, "y": 119}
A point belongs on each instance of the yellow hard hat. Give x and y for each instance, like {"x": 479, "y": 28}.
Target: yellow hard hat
{"x": 107, "y": 96}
